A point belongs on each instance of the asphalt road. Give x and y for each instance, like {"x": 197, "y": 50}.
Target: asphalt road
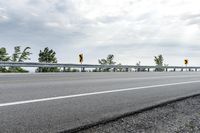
{"x": 62, "y": 101}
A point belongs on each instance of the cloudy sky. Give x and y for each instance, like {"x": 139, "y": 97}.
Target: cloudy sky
{"x": 132, "y": 30}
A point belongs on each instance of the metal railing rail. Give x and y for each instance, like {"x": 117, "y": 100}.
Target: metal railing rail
{"x": 62, "y": 65}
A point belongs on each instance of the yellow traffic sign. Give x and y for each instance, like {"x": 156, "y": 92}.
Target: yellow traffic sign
{"x": 81, "y": 58}
{"x": 186, "y": 61}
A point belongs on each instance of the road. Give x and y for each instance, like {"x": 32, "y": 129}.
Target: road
{"x": 62, "y": 101}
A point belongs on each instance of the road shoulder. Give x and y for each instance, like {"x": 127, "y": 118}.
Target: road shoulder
{"x": 180, "y": 116}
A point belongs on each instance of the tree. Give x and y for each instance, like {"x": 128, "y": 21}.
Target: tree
{"x": 16, "y": 54}
{"x": 3, "y": 57}
{"x": 25, "y": 55}
{"x": 19, "y": 56}
{"x": 107, "y": 61}
{"x": 159, "y": 62}
{"x": 47, "y": 56}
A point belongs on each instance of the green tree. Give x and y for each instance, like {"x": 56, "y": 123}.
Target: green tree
{"x": 25, "y": 55}
{"x": 107, "y": 61}
{"x": 3, "y": 57}
{"x": 159, "y": 62}
{"x": 47, "y": 56}
{"x": 19, "y": 56}
{"x": 16, "y": 54}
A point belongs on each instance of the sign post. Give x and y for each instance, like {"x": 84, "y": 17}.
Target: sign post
{"x": 81, "y": 58}
{"x": 81, "y": 61}
{"x": 186, "y": 62}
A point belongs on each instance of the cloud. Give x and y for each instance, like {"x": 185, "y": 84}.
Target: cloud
{"x": 128, "y": 28}
{"x": 192, "y": 19}
{"x": 3, "y": 16}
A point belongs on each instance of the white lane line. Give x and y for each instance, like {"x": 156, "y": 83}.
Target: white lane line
{"x": 93, "y": 93}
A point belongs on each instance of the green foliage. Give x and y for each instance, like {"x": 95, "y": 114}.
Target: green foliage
{"x": 25, "y": 55}
{"x": 3, "y": 57}
{"x": 47, "y": 56}
{"x": 107, "y": 61}
{"x": 67, "y": 69}
{"x": 17, "y": 70}
{"x": 19, "y": 56}
{"x": 16, "y": 54}
{"x": 159, "y": 62}
{"x": 75, "y": 70}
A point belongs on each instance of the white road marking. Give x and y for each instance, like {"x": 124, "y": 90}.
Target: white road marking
{"x": 93, "y": 93}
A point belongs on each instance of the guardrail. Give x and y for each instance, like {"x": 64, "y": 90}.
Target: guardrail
{"x": 83, "y": 66}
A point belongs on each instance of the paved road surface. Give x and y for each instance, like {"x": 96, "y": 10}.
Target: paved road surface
{"x": 57, "y": 102}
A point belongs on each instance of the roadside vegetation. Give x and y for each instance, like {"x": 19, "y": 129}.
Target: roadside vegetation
{"x": 159, "y": 62}
{"x": 49, "y": 56}
{"x": 17, "y": 56}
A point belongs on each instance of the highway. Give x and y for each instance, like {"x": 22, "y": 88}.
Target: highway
{"x": 62, "y": 101}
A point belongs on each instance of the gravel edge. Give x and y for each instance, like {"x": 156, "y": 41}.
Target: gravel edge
{"x": 180, "y": 116}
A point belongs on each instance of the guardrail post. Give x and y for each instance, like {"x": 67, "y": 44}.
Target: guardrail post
{"x": 174, "y": 69}
{"x": 166, "y": 69}
{"x": 126, "y": 69}
{"x": 148, "y": 69}
{"x": 83, "y": 69}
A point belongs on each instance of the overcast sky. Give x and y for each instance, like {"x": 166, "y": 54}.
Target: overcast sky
{"x": 132, "y": 30}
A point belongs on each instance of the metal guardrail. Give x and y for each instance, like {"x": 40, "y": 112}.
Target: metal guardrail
{"x": 126, "y": 67}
